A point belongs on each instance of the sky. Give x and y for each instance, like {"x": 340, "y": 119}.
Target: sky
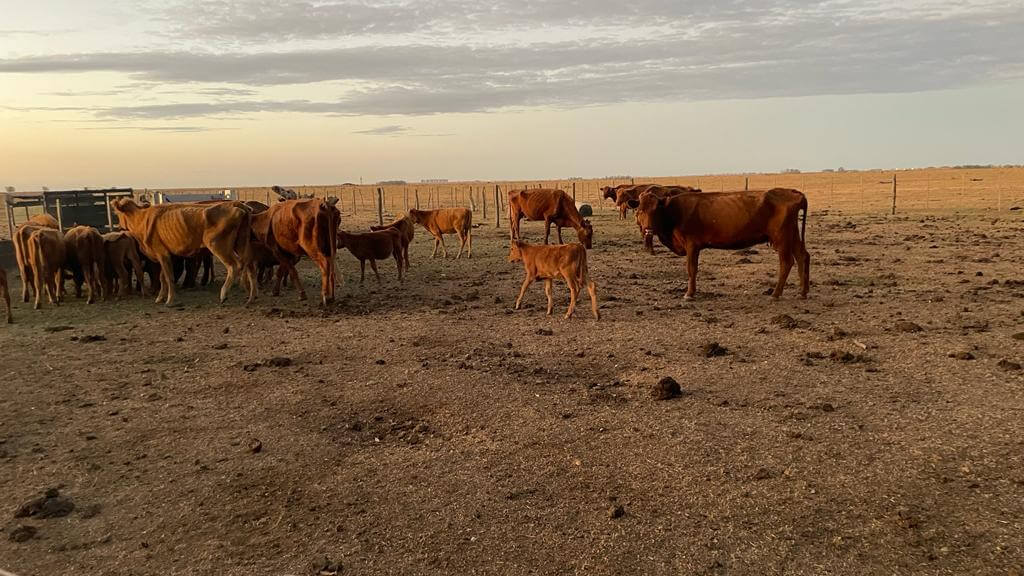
{"x": 176, "y": 93}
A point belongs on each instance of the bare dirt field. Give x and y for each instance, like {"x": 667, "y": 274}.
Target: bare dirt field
{"x": 426, "y": 428}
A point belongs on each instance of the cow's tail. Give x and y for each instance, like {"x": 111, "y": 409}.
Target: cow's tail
{"x": 243, "y": 236}
{"x": 803, "y": 222}
{"x": 582, "y": 273}
{"x": 322, "y": 232}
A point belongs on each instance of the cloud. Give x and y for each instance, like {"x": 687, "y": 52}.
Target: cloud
{"x": 392, "y": 130}
{"x": 397, "y": 62}
{"x": 182, "y": 129}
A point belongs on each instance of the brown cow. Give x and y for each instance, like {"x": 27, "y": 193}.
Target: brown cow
{"x": 408, "y": 230}
{"x": 552, "y": 207}
{"x": 447, "y": 221}
{"x": 168, "y": 230}
{"x": 373, "y": 246}
{"x": 122, "y": 251}
{"x": 46, "y": 255}
{"x": 295, "y": 228}
{"x": 85, "y": 257}
{"x": 21, "y": 235}
{"x": 689, "y": 223}
{"x": 568, "y": 261}
{"x": 5, "y": 293}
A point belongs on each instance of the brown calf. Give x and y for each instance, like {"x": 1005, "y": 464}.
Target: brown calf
{"x": 568, "y": 261}
{"x": 447, "y": 221}
{"x": 86, "y": 259}
{"x": 689, "y": 223}
{"x": 373, "y": 246}
{"x": 408, "y": 229}
{"x": 169, "y": 230}
{"x": 5, "y": 293}
{"x": 122, "y": 251}
{"x": 46, "y": 255}
{"x": 21, "y": 236}
{"x": 550, "y": 206}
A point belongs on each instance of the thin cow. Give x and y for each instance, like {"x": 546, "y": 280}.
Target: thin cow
{"x": 457, "y": 221}
{"x": 168, "y": 230}
{"x": 86, "y": 259}
{"x": 551, "y": 207}
{"x": 291, "y": 229}
{"x": 689, "y": 223}
{"x": 21, "y": 236}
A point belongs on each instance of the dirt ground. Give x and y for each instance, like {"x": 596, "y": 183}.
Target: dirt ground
{"x": 426, "y": 428}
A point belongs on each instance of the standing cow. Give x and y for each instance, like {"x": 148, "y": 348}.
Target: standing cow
{"x": 21, "y": 236}
{"x": 551, "y": 207}
{"x": 689, "y": 223}
{"x": 86, "y": 259}
{"x": 291, "y": 229}
{"x": 447, "y": 221}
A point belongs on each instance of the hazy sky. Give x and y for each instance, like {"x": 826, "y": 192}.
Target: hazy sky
{"x": 220, "y": 93}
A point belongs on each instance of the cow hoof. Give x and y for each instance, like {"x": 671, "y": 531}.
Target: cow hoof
{"x": 688, "y": 297}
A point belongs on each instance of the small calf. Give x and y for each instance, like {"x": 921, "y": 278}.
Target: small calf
{"x": 406, "y": 226}
{"x": 47, "y": 254}
{"x": 373, "y": 246}
{"x": 86, "y": 259}
{"x": 5, "y": 292}
{"x": 122, "y": 251}
{"x": 568, "y": 261}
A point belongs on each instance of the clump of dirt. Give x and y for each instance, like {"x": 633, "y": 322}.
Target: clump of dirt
{"x": 545, "y": 332}
{"x": 843, "y": 357}
{"x": 1018, "y": 336}
{"x": 666, "y": 389}
{"x": 617, "y": 511}
{"x": 89, "y": 338}
{"x": 255, "y": 446}
{"x": 22, "y": 534}
{"x": 49, "y": 505}
{"x": 275, "y": 362}
{"x": 962, "y": 355}
{"x": 787, "y": 322}
{"x": 713, "y": 350}
{"x": 1009, "y": 365}
{"x": 908, "y": 327}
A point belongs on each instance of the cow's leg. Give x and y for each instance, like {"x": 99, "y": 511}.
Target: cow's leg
{"x": 207, "y": 269}
{"x": 405, "y": 256}
{"x": 803, "y": 262}
{"x": 278, "y": 277}
{"x": 469, "y": 241}
{"x": 362, "y": 270}
{"x": 547, "y": 291}
{"x": 785, "y": 265}
{"x": 293, "y": 273}
{"x": 324, "y": 262}
{"x": 53, "y": 288}
{"x": 444, "y": 249}
{"x": 462, "y": 243}
{"x": 692, "y": 256}
{"x": 398, "y": 261}
{"x": 437, "y": 243}
{"x": 622, "y": 212}
{"x": 167, "y": 282}
{"x": 592, "y": 289}
{"x": 37, "y": 282}
{"x": 373, "y": 266}
{"x": 522, "y": 291}
{"x": 559, "y": 230}
{"x": 5, "y": 292}
{"x": 574, "y": 290}
{"x": 89, "y": 281}
{"x": 124, "y": 279}
{"x": 547, "y": 229}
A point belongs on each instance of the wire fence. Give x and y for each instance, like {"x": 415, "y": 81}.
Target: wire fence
{"x": 927, "y": 191}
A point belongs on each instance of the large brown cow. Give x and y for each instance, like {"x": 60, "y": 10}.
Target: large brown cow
{"x": 373, "y": 246}
{"x": 689, "y": 223}
{"x": 294, "y": 228}
{"x": 550, "y": 206}
{"x": 21, "y": 235}
{"x": 122, "y": 251}
{"x": 408, "y": 229}
{"x": 5, "y": 293}
{"x": 457, "y": 221}
{"x": 46, "y": 255}
{"x": 568, "y": 261}
{"x": 168, "y": 230}
{"x": 85, "y": 258}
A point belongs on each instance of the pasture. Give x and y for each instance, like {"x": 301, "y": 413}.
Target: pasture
{"x": 426, "y": 427}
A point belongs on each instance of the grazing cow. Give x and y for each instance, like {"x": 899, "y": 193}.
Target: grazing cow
{"x": 291, "y": 229}
{"x": 373, "y": 246}
{"x": 122, "y": 251}
{"x": 568, "y": 261}
{"x": 5, "y": 293}
{"x": 689, "y": 223}
{"x": 550, "y": 206}
{"x": 46, "y": 255}
{"x": 86, "y": 259}
{"x": 408, "y": 230}
{"x": 621, "y": 194}
{"x": 21, "y": 236}
{"x": 169, "y": 230}
{"x": 447, "y": 221}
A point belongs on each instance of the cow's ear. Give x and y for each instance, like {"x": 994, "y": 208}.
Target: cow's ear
{"x": 633, "y": 203}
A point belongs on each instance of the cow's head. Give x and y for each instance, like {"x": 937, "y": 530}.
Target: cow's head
{"x": 416, "y": 216}
{"x": 647, "y": 208}
{"x": 125, "y": 208}
{"x": 586, "y": 234}
{"x": 608, "y": 193}
{"x": 515, "y": 251}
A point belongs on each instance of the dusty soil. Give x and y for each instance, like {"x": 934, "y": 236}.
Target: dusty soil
{"x": 426, "y": 428}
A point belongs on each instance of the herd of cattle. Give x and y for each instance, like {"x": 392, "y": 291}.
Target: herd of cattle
{"x": 252, "y": 240}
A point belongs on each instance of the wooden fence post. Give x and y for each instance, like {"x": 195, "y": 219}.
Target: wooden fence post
{"x": 574, "y": 191}
{"x": 483, "y": 202}
{"x": 497, "y": 206}
{"x": 380, "y": 206}
{"x": 354, "y": 201}
{"x": 60, "y": 219}
{"x": 894, "y": 194}
{"x": 417, "y": 192}
{"x": 746, "y": 183}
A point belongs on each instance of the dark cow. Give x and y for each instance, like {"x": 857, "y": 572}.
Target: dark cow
{"x": 689, "y": 223}
{"x": 291, "y": 229}
{"x": 86, "y": 259}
